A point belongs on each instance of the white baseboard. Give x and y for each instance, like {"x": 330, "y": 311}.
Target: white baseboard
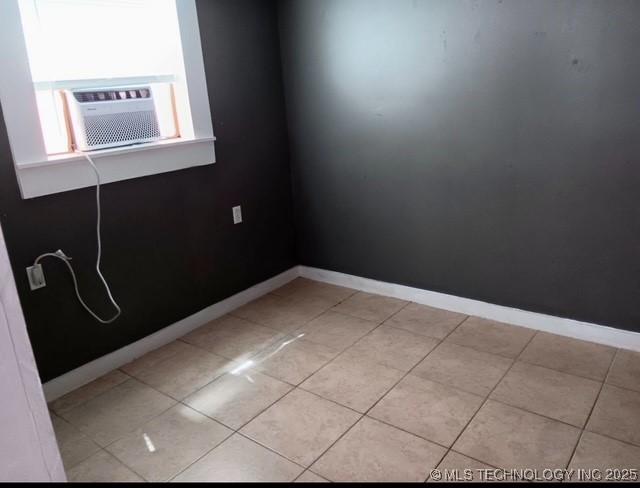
{"x": 84, "y": 374}
{"x": 566, "y": 327}
{"x": 537, "y": 321}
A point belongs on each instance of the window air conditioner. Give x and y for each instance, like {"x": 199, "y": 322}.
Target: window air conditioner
{"x": 112, "y": 117}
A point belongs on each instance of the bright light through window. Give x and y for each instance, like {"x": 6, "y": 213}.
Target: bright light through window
{"x": 93, "y": 43}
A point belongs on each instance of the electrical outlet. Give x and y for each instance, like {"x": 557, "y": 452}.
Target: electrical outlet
{"x": 36, "y": 277}
{"x": 237, "y": 215}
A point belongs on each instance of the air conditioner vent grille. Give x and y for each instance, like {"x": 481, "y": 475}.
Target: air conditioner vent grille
{"x": 110, "y": 129}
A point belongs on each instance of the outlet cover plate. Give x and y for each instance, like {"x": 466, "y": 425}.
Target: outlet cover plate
{"x": 36, "y": 277}
{"x": 237, "y": 215}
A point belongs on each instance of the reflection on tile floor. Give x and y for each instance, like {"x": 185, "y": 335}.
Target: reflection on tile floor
{"x": 316, "y": 382}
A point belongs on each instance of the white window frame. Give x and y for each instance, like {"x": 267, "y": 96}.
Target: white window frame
{"x": 41, "y": 174}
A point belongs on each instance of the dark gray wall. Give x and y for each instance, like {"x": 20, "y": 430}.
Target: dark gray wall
{"x": 489, "y": 149}
{"x": 170, "y": 246}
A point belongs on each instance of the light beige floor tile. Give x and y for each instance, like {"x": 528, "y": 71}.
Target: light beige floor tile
{"x": 423, "y": 320}
{"x": 372, "y": 451}
{"x": 234, "y": 338}
{"x": 74, "y": 446}
{"x": 510, "y": 438}
{"x": 283, "y": 314}
{"x": 236, "y": 398}
{"x": 303, "y": 288}
{"x": 464, "y": 368}
{"x": 376, "y": 308}
{"x": 102, "y": 467}
{"x": 456, "y": 467}
{"x": 436, "y": 412}
{"x": 301, "y": 426}
{"x": 239, "y": 459}
{"x": 569, "y": 355}
{"x": 625, "y": 371}
{"x": 294, "y": 360}
{"x": 336, "y": 330}
{"x": 88, "y": 391}
{"x": 169, "y": 443}
{"x": 118, "y": 412}
{"x": 153, "y": 358}
{"x": 185, "y": 372}
{"x": 310, "y": 477}
{"x": 294, "y": 286}
{"x": 597, "y": 452}
{"x": 395, "y": 348}
{"x": 492, "y": 337}
{"x": 561, "y": 396}
{"x": 353, "y": 381}
{"x": 617, "y": 414}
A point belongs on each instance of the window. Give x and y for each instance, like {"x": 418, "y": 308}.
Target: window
{"x": 51, "y": 46}
{"x": 73, "y": 43}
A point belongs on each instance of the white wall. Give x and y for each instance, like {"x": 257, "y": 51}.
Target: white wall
{"x": 28, "y": 448}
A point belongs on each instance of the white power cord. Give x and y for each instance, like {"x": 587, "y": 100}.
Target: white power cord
{"x": 67, "y": 260}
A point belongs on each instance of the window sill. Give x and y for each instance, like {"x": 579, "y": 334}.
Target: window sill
{"x": 71, "y": 171}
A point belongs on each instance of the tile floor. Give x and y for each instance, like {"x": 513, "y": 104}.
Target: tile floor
{"x": 315, "y": 382}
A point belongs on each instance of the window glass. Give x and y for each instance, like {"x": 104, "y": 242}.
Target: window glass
{"x": 99, "y": 42}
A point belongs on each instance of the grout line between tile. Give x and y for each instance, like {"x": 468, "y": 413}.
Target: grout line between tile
{"x": 534, "y": 413}
{"x": 330, "y": 307}
{"x": 233, "y": 432}
{"x": 560, "y": 371}
{"x": 309, "y": 471}
{"x": 621, "y": 441}
{"x": 386, "y": 324}
{"x": 275, "y": 341}
{"x": 386, "y": 393}
{"x": 383, "y": 321}
{"x": 593, "y": 407}
{"x": 484, "y": 350}
{"x": 294, "y": 387}
{"x": 181, "y": 401}
{"x": 176, "y": 403}
{"x": 341, "y": 353}
{"x": 287, "y": 335}
{"x": 252, "y": 418}
{"x": 414, "y": 367}
{"x": 88, "y": 400}
{"x": 102, "y": 449}
{"x": 504, "y": 402}
{"x": 486, "y": 399}
{"x": 452, "y": 450}
{"x": 564, "y": 373}
{"x": 352, "y": 346}
{"x": 361, "y": 415}
{"x": 237, "y": 431}
{"x": 241, "y": 434}
{"x": 226, "y": 373}
{"x": 171, "y": 478}
{"x": 606, "y": 383}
